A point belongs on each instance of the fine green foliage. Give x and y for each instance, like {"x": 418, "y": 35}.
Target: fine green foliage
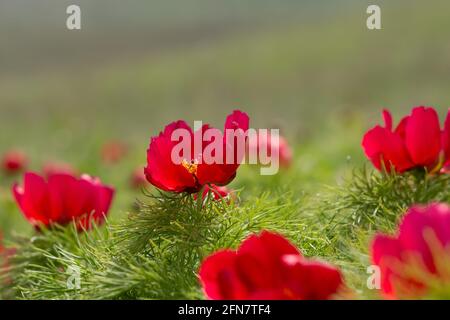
{"x": 367, "y": 203}
{"x": 288, "y": 72}
{"x": 155, "y": 253}
{"x": 376, "y": 201}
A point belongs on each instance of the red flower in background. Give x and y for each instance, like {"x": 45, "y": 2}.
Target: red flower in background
{"x": 418, "y": 255}
{"x": 137, "y": 178}
{"x": 63, "y": 199}
{"x": 14, "y": 161}
{"x": 114, "y": 151}
{"x": 417, "y": 142}
{"x": 193, "y": 173}
{"x": 263, "y": 143}
{"x": 268, "y": 267}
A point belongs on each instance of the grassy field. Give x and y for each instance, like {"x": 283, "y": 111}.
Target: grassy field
{"x": 314, "y": 71}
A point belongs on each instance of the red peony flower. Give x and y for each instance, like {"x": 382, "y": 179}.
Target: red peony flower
{"x": 14, "y": 161}
{"x": 268, "y": 267}
{"x": 63, "y": 199}
{"x": 137, "y": 178}
{"x": 264, "y": 143}
{"x": 195, "y": 170}
{"x": 114, "y": 151}
{"x": 417, "y": 142}
{"x": 418, "y": 255}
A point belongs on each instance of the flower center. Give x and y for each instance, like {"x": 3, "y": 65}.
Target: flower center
{"x": 190, "y": 166}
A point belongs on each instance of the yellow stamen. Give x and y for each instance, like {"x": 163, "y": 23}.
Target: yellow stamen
{"x": 190, "y": 166}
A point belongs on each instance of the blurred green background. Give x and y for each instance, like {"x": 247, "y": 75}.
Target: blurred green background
{"x": 310, "y": 68}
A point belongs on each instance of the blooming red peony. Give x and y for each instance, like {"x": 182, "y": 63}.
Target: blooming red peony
{"x": 14, "y": 161}
{"x": 62, "y": 199}
{"x": 194, "y": 171}
{"x": 263, "y": 143}
{"x": 417, "y": 142}
{"x": 418, "y": 256}
{"x": 268, "y": 267}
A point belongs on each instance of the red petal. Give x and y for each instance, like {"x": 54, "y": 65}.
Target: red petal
{"x": 105, "y": 196}
{"x": 386, "y": 250}
{"x": 382, "y": 146}
{"x": 66, "y": 199}
{"x": 260, "y": 260}
{"x": 237, "y": 120}
{"x": 35, "y": 199}
{"x": 217, "y": 192}
{"x": 314, "y": 280}
{"x": 419, "y": 219}
{"x": 401, "y": 128}
{"x": 446, "y": 138}
{"x": 423, "y": 136}
{"x": 218, "y": 277}
{"x": 161, "y": 171}
{"x": 268, "y": 244}
{"x": 387, "y": 119}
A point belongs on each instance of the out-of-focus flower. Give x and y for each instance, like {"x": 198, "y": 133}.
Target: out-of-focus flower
{"x": 195, "y": 170}
{"x": 417, "y": 142}
{"x": 14, "y": 161}
{"x": 114, "y": 151}
{"x": 416, "y": 260}
{"x": 62, "y": 199}
{"x": 267, "y": 266}
{"x": 263, "y": 144}
{"x": 137, "y": 178}
{"x": 51, "y": 168}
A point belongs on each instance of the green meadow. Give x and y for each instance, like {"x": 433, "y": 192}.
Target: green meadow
{"x": 311, "y": 69}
